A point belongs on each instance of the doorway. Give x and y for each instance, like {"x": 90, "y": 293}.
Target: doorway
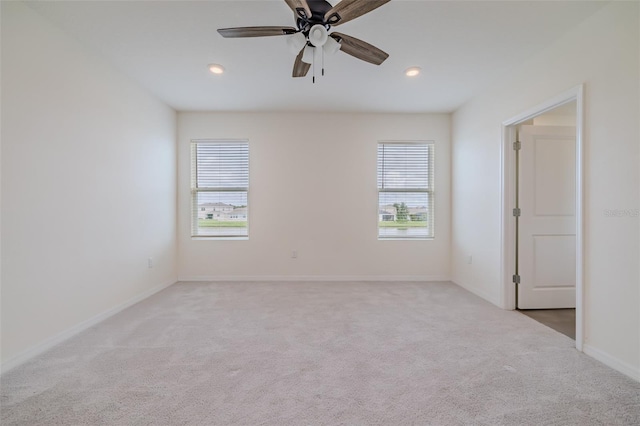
{"x": 542, "y": 214}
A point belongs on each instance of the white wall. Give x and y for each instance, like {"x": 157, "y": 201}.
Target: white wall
{"x": 88, "y": 186}
{"x": 603, "y": 53}
{"x": 313, "y": 189}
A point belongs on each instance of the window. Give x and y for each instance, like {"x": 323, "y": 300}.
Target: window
{"x": 220, "y": 184}
{"x": 405, "y": 190}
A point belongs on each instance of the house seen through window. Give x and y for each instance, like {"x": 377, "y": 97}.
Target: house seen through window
{"x": 405, "y": 190}
{"x": 219, "y": 188}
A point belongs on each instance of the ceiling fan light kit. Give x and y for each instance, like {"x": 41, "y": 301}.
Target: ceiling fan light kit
{"x": 314, "y": 19}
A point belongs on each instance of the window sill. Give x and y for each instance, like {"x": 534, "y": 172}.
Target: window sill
{"x": 201, "y": 238}
{"x": 407, "y": 239}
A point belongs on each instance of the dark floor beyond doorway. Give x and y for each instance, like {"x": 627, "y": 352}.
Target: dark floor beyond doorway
{"x": 561, "y": 320}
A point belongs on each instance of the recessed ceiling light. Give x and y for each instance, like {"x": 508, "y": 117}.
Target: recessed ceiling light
{"x": 216, "y": 68}
{"x": 412, "y": 72}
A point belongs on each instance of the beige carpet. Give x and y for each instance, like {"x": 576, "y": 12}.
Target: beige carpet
{"x": 317, "y": 354}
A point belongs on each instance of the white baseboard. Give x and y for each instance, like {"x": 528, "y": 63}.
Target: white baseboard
{"x": 486, "y": 296}
{"x": 38, "y": 349}
{"x": 610, "y": 361}
{"x": 218, "y": 278}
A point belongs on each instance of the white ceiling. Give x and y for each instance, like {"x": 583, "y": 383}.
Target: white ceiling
{"x": 461, "y": 46}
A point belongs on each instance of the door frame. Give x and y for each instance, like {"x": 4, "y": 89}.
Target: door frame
{"x": 508, "y": 194}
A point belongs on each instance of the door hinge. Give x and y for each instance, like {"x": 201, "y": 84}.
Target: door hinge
{"x": 517, "y": 145}
{"x": 516, "y": 279}
{"x": 517, "y": 212}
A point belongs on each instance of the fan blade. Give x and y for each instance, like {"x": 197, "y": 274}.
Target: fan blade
{"x": 255, "y": 31}
{"x": 300, "y": 8}
{"x": 348, "y": 10}
{"x": 300, "y": 69}
{"x": 360, "y": 49}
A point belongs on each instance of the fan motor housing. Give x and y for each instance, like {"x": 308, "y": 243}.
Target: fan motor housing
{"x": 318, "y": 9}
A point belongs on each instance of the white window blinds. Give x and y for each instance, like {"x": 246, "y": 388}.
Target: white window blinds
{"x": 219, "y": 188}
{"x": 405, "y": 190}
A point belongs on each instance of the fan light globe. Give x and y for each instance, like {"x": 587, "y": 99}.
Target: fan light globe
{"x": 318, "y": 35}
{"x": 307, "y": 55}
{"x": 216, "y": 68}
{"x": 331, "y": 46}
{"x": 296, "y": 42}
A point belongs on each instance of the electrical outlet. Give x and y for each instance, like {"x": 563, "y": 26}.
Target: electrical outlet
{"x": 150, "y": 262}
{"x": 469, "y": 259}
{"x": 294, "y": 254}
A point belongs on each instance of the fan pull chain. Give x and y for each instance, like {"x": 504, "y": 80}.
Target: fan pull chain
{"x": 322, "y": 62}
{"x": 314, "y": 66}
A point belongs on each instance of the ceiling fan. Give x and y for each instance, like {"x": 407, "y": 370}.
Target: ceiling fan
{"x": 311, "y": 38}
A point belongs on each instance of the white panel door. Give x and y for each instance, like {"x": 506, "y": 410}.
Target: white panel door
{"x": 547, "y": 225}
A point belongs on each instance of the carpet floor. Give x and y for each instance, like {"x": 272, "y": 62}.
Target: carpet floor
{"x": 328, "y": 353}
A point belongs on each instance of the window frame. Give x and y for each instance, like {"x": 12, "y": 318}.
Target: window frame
{"x": 195, "y": 190}
{"x": 429, "y": 189}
